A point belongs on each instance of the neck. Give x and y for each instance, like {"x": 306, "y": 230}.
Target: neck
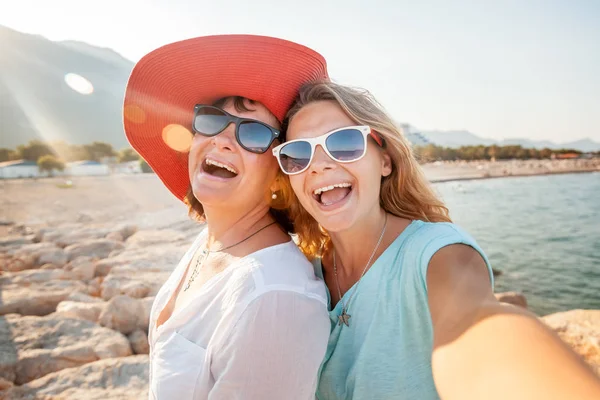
{"x": 354, "y": 246}
{"x": 225, "y": 227}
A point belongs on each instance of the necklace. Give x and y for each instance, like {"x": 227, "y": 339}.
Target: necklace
{"x": 205, "y": 253}
{"x": 344, "y": 317}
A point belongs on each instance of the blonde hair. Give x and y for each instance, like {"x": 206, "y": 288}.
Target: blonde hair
{"x": 405, "y": 193}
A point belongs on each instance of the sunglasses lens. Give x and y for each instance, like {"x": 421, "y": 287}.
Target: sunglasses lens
{"x": 210, "y": 121}
{"x": 346, "y": 145}
{"x": 255, "y": 137}
{"x": 295, "y": 156}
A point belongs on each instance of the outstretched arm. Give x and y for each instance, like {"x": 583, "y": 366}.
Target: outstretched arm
{"x": 487, "y": 350}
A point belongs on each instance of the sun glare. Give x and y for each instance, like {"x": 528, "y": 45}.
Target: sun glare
{"x": 79, "y": 84}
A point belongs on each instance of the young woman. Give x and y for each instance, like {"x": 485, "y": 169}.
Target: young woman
{"x": 242, "y": 316}
{"x": 411, "y": 303}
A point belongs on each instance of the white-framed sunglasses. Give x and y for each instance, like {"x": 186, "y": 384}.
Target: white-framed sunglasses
{"x": 344, "y": 145}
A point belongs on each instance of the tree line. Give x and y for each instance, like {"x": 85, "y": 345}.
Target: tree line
{"x": 432, "y": 152}
{"x": 53, "y": 156}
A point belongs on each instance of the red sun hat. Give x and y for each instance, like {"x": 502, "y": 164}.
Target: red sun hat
{"x": 167, "y": 83}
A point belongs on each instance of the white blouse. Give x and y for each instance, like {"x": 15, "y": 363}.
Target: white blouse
{"x": 257, "y": 330}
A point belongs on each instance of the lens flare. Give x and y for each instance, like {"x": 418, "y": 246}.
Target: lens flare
{"x": 177, "y": 137}
{"x": 79, "y": 84}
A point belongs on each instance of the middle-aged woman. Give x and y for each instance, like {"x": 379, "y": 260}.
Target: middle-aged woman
{"x": 242, "y": 316}
{"x": 412, "y": 311}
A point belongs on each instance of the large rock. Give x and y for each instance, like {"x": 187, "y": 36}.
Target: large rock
{"x": 67, "y": 235}
{"x": 120, "y": 378}
{"x": 124, "y": 314}
{"x": 28, "y": 256}
{"x": 580, "y": 329}
{"x": 48, "y": 344}
{"x": 134, "y": 284}
{"x": 34, "y": 249}
{"x": 516, "y": 299}
{"x": 55, "y": 256}
{"x": 138, "y": 340}
{"x": 36, "y": 298}
{"x": 11, "y": 242}
{"x": 76, "y": 310}
{"x": 8, "y": 353}
{"x": 82, "y": 268}
{"x": 83, "y": 298}
{"x": 33, "y": 276}
{"x": 153, "y": 258}
{"x": 99, "y": 248}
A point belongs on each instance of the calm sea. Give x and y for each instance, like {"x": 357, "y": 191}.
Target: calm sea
{"x": 542, "y": 232}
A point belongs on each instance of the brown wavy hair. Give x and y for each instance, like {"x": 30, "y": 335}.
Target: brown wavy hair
{"x": 279, "y": 209}
{"x": 405, "y": 193}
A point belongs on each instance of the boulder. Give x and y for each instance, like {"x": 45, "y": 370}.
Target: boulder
{"x": 124, "y": 314}
{"x": 516, "y": 299}
{"x": 83, "y": 298}
{"x": 69, "y": 234}
{"x": 33, "y": 276}
{"x": 56, "y": 256}
{"x": 580, "y": 329}
{"x": 82, "y": 268}
{"x": 36, "y": 298}
{"x": 47, "y": 344}
{"x": 139, "y": 342}
{"x": 98, "y": 248}
{"x": 153, "y": 258}
{"x": 136, "y": 284}
{"x": 25, "y": 257}
{"x": 20, "y": 229}
{"x": 76, "y": 310}
{"x": 117, "y": 378}
{"x": 50, "y": 266}
{"x": 116, "y": 236}
{"x": 13, "y": 241}
{"x": 126, "y": 230}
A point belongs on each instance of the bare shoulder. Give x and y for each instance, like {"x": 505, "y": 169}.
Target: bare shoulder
{"x": 458, "y": 288}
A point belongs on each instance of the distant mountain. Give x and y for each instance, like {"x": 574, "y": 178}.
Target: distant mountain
{"x": 455, "y": 139}
{"x": 37, "y": 103}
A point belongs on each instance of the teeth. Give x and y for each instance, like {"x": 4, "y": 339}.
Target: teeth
{"x": 331, "y": 187}
{"x": 218, "y": 164}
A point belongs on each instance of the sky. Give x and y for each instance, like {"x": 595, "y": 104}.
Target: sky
{"x": 498, "y": 68}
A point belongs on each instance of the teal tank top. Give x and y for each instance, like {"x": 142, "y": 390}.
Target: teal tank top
{"x": 386, "y": 351}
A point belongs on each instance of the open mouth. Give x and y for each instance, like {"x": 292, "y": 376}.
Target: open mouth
{"x": 332, "y": 194}
{"x": 218, "y": 169}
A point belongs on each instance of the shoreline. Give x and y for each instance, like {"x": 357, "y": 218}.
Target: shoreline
{"x": 447, "y": 171}
{"x": 477, "y": 178}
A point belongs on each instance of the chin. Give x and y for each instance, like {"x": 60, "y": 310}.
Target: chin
{"x": 336, "y": 223}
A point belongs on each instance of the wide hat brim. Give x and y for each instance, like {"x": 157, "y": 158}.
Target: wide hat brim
{"x": 165, "y": 85}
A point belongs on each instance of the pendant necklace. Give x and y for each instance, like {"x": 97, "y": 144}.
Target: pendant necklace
{"x": 344, "y": 317}
{"x": 206, "y": 252}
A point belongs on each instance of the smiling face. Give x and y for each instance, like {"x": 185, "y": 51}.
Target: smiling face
{"x": 223, "y": 174}
{"x": 339, "y": 196}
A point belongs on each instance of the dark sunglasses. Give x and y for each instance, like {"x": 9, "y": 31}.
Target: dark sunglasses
{"x": 252, "y": 135}
{"x": 343, "y": 145}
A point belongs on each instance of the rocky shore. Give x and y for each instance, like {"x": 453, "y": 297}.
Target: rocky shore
{"x": 79, "y": 269}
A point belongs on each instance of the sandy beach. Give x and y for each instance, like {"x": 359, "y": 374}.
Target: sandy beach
{"x": 443, "y": 171}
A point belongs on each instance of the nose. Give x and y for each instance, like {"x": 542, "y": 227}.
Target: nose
{"x": 226, "y": 139}
{"x": 321, "y": 162}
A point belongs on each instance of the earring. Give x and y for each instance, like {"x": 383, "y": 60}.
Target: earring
{"x": 274, "y": 196}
